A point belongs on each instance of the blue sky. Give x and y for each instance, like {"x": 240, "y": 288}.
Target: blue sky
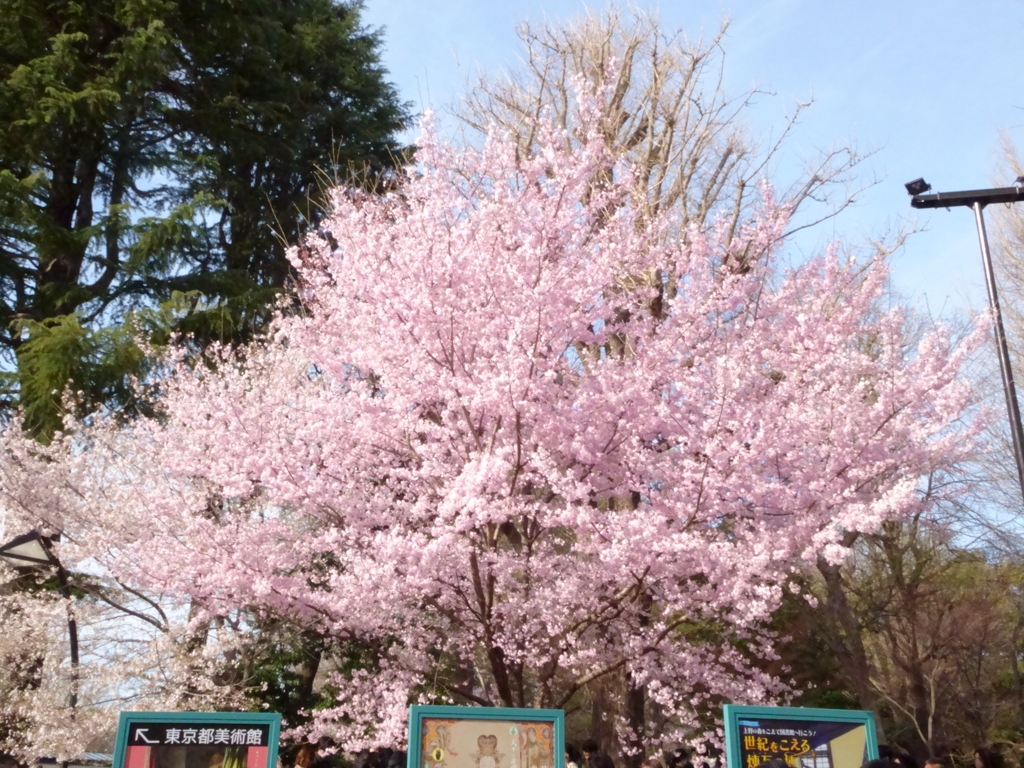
{"x": 928, "y": 85}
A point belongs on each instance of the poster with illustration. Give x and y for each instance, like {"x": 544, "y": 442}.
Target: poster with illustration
{"x": 486, "y": 737}
{"x": 801, "y": 736}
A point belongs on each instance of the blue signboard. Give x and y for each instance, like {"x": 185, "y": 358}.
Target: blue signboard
{"x": 196, "y": 740}
{"x": 486, "y": 737}
{"x": 800, "y": 736}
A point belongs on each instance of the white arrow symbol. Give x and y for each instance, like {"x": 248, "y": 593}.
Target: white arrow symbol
{"x": 139, "y": 734}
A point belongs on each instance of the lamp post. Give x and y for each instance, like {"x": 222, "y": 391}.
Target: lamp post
{"x": 977, "y": 199}
{"x": 31, "y": 551}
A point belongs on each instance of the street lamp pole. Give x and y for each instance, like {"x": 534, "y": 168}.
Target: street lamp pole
{"x": 977, "y": 199}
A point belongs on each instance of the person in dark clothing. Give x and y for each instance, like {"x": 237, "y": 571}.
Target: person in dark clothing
{"x": 595, "y": 756}
{"x": 705, "y": 756}
{"x": 680, "y": 758}
{"x": 985, "y": 758}
{"x": 881, "y": 762}
{"x": 898, "y": 756}
{"x": 573, "y": 757}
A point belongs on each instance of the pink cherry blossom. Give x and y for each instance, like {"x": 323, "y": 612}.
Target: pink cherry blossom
{"x": 518, "y": 439}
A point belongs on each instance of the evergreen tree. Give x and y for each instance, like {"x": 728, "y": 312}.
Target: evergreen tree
{"x": 155, "y": 156}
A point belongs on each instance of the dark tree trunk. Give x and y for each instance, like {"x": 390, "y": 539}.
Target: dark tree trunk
{"x": 849, "y": 645}
{"x": 636, "y": 706}
{"x": 602, "y": 716}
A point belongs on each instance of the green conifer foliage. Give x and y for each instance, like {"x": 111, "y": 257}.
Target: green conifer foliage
{"x": 158, "y": 155}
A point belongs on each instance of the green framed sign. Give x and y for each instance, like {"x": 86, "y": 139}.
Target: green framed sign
{"x": 196, "y": 740}
{"x": 803, "y": 737}
{"x": 486, "y": 737}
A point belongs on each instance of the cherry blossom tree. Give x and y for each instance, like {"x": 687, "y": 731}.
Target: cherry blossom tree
{"x": 488, "y": 450}
{"x": 53, "y": 707}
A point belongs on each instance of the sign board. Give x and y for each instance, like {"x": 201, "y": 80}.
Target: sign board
{"x": 486, "y": 737}
{"x": 802, "y": 737}
{"x": 196, "y": 740}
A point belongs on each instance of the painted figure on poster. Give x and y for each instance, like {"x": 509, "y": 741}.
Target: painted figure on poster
{"x": 537, "y": 753}
{"x": 444, "y": 737}
{"x": 487, "y": 755}
{"x": 468, "y": 743}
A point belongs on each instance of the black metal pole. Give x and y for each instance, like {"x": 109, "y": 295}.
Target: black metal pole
{"x": 977, "y": 199}
{"x": 1005, "y": 368}
{"x": 65, "y": 590}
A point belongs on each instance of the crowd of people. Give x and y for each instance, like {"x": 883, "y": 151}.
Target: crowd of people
{"x": 894, "y": 757}
{"x": 590, "y": 755}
